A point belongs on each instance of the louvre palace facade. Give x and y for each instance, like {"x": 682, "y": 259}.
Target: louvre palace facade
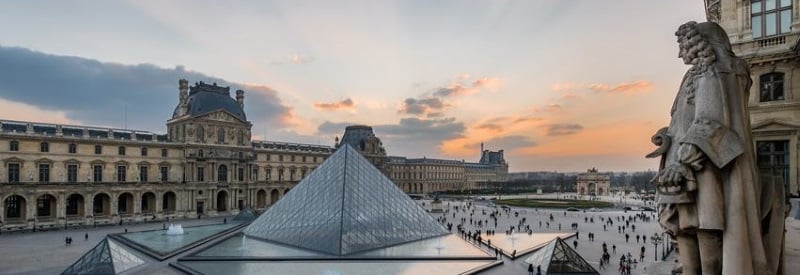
{"x": 766, "y": 34}
{"x": 205, "y": 165}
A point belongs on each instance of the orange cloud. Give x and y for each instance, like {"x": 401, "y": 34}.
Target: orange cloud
{"x": 12, "y": 110}
{"x": 346, "y": 104}
{"x": 623, "y": 87}
{"x": 500, "y": 130}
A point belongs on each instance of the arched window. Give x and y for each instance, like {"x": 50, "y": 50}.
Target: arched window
{"x": 771, "y": 87}
{"x": 222, "y": 173}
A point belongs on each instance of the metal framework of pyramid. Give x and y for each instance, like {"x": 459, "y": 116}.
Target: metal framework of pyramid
{"x": 558, "y": 258}
{"x": 107, "y": 257}
{"x": 344, "y": 206}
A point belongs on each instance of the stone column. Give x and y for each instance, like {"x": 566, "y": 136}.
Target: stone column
{"x": 159, "y": 211}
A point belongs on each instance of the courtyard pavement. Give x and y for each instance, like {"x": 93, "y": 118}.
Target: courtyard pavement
{"x": 46, "y": 253}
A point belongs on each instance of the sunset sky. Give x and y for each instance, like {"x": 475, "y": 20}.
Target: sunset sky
{"x": 559, "y": 85}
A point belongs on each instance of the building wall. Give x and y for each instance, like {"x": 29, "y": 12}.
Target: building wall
{"x": 775, "y": 120}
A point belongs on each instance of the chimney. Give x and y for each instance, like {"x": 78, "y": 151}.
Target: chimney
{"x": 183, "y": 95}
{"x": 240, "y": 98}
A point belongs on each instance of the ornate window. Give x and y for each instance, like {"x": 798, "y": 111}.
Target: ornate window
{"x": 220, "y": 135}
{"x": 771, "y": 87}
{"x": 773, "y": 163}
{"x": 121, "y": 171}
{"x": 143, "y": 173}
{"x": 222, "y": 173}
{"x": 98, "y": 149}
{"x": 44, "y": 147}
{"x": 72, "y": 173}
{"x": 201, "y": 174}
{"x": 164, "y": 173}
{"x": 72, "y": 148}
{"x": 240, "y": 174}
{"x": 44, "y": 172}
{"x": 770, "y": 17}
{"x": 97, "y": 172}
{"x": 13, "y": 172}
{"x": 121, "y": 150}
{"x": 13, "y": 145}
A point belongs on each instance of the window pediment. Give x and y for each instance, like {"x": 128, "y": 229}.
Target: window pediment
{"x": 43, "y": 161}
{"x": 97, "y": 161}
{"x": 14, "y": 160}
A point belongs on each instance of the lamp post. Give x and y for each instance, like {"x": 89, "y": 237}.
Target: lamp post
{"x": 655, "y": 239}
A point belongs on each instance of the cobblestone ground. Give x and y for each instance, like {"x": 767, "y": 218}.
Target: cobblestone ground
{"x": 591, "y": 251}
{"x": 47, "y": 253}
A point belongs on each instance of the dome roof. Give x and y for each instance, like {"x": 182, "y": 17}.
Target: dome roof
{"x": 205, "y": 98}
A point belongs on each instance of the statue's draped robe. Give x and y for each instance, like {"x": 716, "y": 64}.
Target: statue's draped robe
{"x": 728, "y": 195}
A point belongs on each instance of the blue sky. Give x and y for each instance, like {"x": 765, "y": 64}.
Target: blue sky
{"x": 560, "y": 85}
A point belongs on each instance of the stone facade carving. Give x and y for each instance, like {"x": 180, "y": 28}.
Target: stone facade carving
{"x": 711, "y": 200}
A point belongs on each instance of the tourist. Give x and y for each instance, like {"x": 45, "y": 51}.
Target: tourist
{"x": 575, "y": 243}
{"x": 86, "y": 236}
{"x": 530, "y": 269}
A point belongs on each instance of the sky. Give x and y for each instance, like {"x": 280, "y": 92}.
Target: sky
{"x": 558, "y": 85}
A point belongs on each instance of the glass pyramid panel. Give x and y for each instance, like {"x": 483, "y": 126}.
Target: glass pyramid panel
{"x": 346, "y": 205}
{"x": 122, "y": 258}
{"x": 107, "y": 257}
{"x": 558, "y": 258}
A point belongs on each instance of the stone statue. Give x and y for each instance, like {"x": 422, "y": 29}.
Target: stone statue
{"x": 709, "y": 195}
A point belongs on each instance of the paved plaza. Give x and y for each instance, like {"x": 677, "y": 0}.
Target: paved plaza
{"x": 46, "y": 253}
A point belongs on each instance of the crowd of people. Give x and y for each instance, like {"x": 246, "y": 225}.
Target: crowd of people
{"x": 476, "y": 223}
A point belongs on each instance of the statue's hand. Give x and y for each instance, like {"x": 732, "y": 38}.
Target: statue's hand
{"x": 672, "y": 175}
{"x": 690, "y": 155}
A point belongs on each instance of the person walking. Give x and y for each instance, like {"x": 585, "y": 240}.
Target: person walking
{"x": 86, "y": 236}
{"x": 530, "y": 269}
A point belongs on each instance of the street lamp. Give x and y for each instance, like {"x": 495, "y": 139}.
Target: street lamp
{"x": 655, "y": 239}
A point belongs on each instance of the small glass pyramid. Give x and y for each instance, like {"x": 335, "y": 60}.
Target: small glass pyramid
{"x": 107, "y": 257}
{"x": 558, "y": 258}
{"x": 344, "y": 206}
{"x": 246, "y": 214}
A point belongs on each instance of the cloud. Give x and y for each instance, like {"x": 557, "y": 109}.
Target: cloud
{"x": 490, "y": 126}
{"x": 433, "y": 105}
{"x": 623, "y": 87}
{"x": 422, "y": 106}
{"x": 346, "y": 104}
{"x": 552, "y": 108}
{"x": 456, "y": 89}
{"x": 417, "y": 137}
{"x": 562, "y": 129}
{"x": 333, "y": 128}
{"x": 299, "y": 59}
{"x": 98, "y": 93}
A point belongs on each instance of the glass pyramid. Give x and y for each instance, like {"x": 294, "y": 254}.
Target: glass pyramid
{"x": 558, "y": 258}
{"x": 345, "y": 206}
{"x": 247, "y": 214}
{"x": 107, "y": 257}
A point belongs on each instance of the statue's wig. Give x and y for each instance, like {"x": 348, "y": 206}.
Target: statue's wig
{"x": 695, "y": 46}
